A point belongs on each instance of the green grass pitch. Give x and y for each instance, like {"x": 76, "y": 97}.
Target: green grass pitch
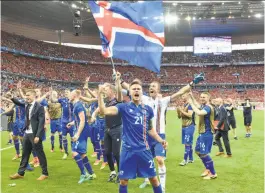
{"x": 243, "y": 173}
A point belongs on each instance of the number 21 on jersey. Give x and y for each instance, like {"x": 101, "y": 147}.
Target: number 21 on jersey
{"x": 138, "y": 120}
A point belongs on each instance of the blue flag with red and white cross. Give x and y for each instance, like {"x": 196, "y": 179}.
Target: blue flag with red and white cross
{"x": 131, "y": 31}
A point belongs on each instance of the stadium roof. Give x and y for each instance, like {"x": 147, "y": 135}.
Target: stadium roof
{"x": 184, "y": 19}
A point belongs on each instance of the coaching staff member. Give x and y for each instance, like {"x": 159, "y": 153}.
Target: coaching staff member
{"x": 34, "y": 131}
{"x": 113, "y": 127}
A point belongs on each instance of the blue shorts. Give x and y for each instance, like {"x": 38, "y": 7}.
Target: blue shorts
{"x": 56, "y": 125}
{"x": 187, "y": 134}
{"x": 157, "y": 148}
{"x": 136, "y": 164}
{"x": 80, "y": 146}
{"x": 101, "y": 126}
{"x": 65, "y": 130}
{"x": 204, "y": 143}
{"x": 94, "y": 132}
{"x": 18, "y": 129}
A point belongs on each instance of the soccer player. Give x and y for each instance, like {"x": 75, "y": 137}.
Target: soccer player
{"x": 231, "y": 116}
{"x": 247, "y": 112}
{"x": 159, "y": 106}
{"x": 96, "y": 116}
{"x": 79, "y": 146}
{"x": 55, "y": 114}
{"x": 188, "y": 127}
{"x": 19, "y": 121}
{"x": 222, "y": 129}
{"x": 67, "y": 117}
{"x": 206, "y": 129}
{"x": 8, "y": 108}
{"x": 136, "y": 157}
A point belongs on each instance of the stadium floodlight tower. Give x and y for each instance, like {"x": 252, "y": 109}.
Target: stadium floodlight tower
{"x": 59, "y": 33}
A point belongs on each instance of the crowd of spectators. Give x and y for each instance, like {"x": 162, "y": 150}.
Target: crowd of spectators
{"x": 103, "y": 73}
{"x": 22, "y": 43}
{"x": 69, "y": 72}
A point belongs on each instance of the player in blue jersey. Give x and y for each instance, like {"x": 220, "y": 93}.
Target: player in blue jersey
{"x": 18, "y": 124}
{"x": 206, "y": 129}
{"x": 79, "y": 146}
{"x": 67, "y": 117}
{"x": 247, "y": 112}
{"x": 55, "y": 114}
{"x": 136, "y": 159}
{"x": 188, "y": 127}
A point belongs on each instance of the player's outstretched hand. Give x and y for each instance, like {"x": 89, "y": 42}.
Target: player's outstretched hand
{"x": 198, "y": 78}
{"x": 164, "y": 144}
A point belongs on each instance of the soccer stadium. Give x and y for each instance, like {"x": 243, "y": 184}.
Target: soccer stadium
{"x": 132, "y": 96}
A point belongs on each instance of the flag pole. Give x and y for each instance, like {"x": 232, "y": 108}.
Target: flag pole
{"x": 112, "y": 63}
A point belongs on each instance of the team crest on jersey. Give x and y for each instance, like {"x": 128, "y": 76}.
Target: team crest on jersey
{"x": 138, "y": 114}
{"x": 130, "y": 110}
{"x": 121, "y": 172}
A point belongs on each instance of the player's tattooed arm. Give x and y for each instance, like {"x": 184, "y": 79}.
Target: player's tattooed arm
{"x": 103, "y": 110}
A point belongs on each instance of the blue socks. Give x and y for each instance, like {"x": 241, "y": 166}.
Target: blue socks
{"x": 65, "y": 144}
{"x": 208, "y": 162}
{"x": 87, "y": 165}
{"x": 191, "y": 153}
{"x": 80, "y": 164}
{"x": 34, "y": 153}
{"x": 103, "y": 152}
{"x": 98, "y": 150}
{"x": 60, "y": 141}
{"x": 52, "y": 141}
{"x": 157, "y": 189}
{"x": 124, "y": 189}
{"x": 16, "y": 143}
{"x": 187, "y": 152}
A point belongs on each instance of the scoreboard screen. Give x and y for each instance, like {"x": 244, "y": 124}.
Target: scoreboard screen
{"x": 213, "y": 45}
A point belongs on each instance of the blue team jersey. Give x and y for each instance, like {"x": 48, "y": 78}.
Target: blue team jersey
{"x": 136, "y": 124}
{"x": 79, "y": 107}
{"x": 20, "y": 112}
{"x": 93, "y": 107}
{"x": 207, "y": 120}
{"x": 44, "y": 103}
{"x": 67, "y": 107}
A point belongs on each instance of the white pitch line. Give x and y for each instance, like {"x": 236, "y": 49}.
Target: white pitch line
{"x": 13, "y": 145}
{"x": 6, "y": 148}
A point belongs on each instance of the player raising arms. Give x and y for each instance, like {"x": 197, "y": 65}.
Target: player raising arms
{"x": 159, "y": 106}
{"x": 206, "y": 129}
{"x": 136, "y": 158}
